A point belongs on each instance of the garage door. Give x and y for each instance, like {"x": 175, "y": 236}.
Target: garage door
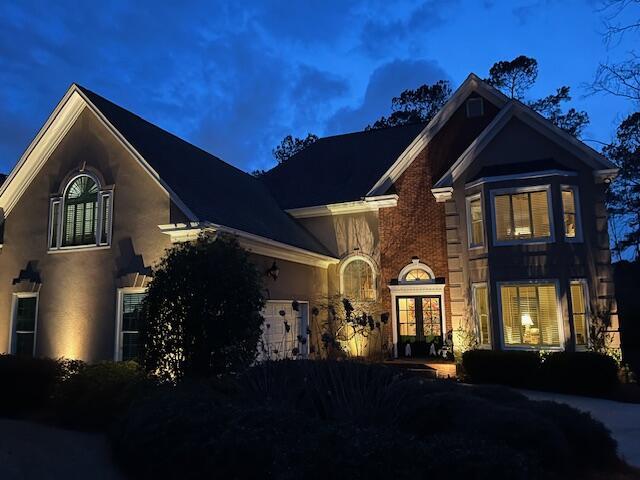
{"x": 284, "y": 331}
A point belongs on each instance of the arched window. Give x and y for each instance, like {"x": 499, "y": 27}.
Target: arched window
{"x": 81, "y": 216}
{"x": 415, "y": 273}
{"x": 357, "y": 279}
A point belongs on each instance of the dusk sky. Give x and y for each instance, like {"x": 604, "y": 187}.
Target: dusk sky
{"x": 235, "y": 77}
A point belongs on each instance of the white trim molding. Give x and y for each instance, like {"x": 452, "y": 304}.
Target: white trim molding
{"x": 367, "y": 204}
{"x": 72, "y": 104}
{"x": 472, "y": 83}
{"x": 442, "y": 194}
{"x": 534, "y": 120}
{"x": 514, "y": 191}
{"x": 415, "y": 290}
{"x": 117, "y": 349}
{"x": 520, "y": 176}
{"x": 606, "y": 175}
{"x": 561, "y": 332}
{"x": 12, "y": 322}
{"x": 369, "y": 261}
{"x": 183, "y": 232}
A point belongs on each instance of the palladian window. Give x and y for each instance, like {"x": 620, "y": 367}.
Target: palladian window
{"x": 358, "y": 280}
{"x": 81, "y": 216}
{"x": 522, "y": 216}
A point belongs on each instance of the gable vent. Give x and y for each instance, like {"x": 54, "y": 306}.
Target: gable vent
{"x": 475, "y": 107}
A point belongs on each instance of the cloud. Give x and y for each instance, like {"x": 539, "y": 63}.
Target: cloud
{"x": 383, "y": 33}
{"x": 386, "y": 82}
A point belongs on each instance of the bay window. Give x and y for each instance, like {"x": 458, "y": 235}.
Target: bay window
{"x": 579, "y": 311}
{"x": 522, "y": 215}
{"x": 481, "y": 313}
{"x": 530, "y": 317}
{"x": 570, "y": 213}
{"x": 475, "y": 221}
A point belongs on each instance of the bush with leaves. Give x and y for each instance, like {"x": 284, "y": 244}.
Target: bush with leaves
{"x": 202, "y": 310}
{"x": 94, "y": 396}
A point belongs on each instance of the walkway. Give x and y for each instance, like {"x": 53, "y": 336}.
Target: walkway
{"x": 622, "y": 419}
{"x": 33, "y": 451}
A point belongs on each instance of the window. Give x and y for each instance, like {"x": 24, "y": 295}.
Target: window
{"x": 23, "y": 335}
{"x": 417, "y": 275}
{"x": 522, "y": 216}
{"x": 475, "y": 223}
{"x": 530, "y": 315}
{"x": 475, "y": 107}
{"x": 129, "y": 323}
{"x": 570, "y": 213}
{"x": 284, "y": 330}
{"x": 358, "y": 279}
{"x": 481, "y": 312}
{"x": 81, "y": 216}
{"x": 579, "y": 311}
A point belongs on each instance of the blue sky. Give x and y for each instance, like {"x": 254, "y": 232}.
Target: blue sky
{"x": 235, "y": 77}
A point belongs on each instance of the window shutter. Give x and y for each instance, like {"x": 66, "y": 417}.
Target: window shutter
{"x": 540, "y": 214}
{"x": 53, "y": 227}
{"x": 105, "y": 230}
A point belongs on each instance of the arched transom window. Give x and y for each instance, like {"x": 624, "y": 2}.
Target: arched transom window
{"x": 358, "y": 279}
{"x": 416, "y": 272}
{"x": 81, "y": 216}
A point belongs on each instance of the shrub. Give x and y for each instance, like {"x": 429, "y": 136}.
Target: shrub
{"x": 27, "y": 383}
{"x": 97, "y": 394}
{"x": 587, "y": 373}
{"x": 202, "y": 311}
{"x": 516, "y": 368}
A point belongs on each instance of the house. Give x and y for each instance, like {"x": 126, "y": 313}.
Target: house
{"x": 484, "y": 228}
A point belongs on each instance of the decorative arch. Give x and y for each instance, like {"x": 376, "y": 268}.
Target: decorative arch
{"x": 417, "y": 269}
{"x": 358, "y": 277}
{"x": 80, "y": 214}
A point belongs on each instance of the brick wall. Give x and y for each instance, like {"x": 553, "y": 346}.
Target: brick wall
{"x": 416, "y": 227}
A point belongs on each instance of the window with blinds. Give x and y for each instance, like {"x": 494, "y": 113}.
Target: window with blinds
{"x": 522, "y": 216}
{"x": 82, "y": 217}
{"x": 579, "y": 311}
{"x": 569, "y": 211}
{"x": 24, "y": 330}
{"x": 358, "y": 281}
{"x": 131, "y": 324}
{"x": 481, "y": 313}
{"x": 475, "y": 222}
{"x": 530, "y": 315}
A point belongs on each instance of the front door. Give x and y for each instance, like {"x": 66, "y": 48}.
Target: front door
{"x": 419, "y": 325}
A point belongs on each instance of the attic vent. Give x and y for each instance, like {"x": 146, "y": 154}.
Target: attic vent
{"x": 475, "y": 107}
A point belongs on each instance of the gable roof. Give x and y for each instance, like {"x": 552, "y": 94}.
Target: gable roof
{"x": 338, "y": 169}
{"x": 515, "y": 109}
{"x": 206, "y": 188}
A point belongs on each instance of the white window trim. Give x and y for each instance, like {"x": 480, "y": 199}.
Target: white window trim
{"x": 512, "y": 191}
{"x": 117, "y": 351}
{"x": 561, "y": 332}
{"x": 12, "y": 323}
{"x": 474, "y": 287}
{"x": 576, "y": 201}
{"x": 60, "y": 200}
{"x": 359, "y": 256}
{"x": 471, "y": 245}
{"x": 415, "y": 265}
{"x": 308, "y": 320}
{"x": 587, "y": 312}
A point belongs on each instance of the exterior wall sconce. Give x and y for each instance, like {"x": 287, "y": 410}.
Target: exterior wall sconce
{"x": 273, "y": 272}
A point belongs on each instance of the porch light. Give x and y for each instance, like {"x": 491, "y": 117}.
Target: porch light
{"x": 273, "y": 272}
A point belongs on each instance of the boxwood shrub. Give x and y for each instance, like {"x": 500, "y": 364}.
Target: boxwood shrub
{"x": 94, "y": 396}
{"x": 505, "y": 367}
{"x": 584, "y": 373}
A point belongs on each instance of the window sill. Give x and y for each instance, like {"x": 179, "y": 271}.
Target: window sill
{"x": 515, "y": 243}
{"x": 81, "y": 248}
{"x": 533, "y": 348}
